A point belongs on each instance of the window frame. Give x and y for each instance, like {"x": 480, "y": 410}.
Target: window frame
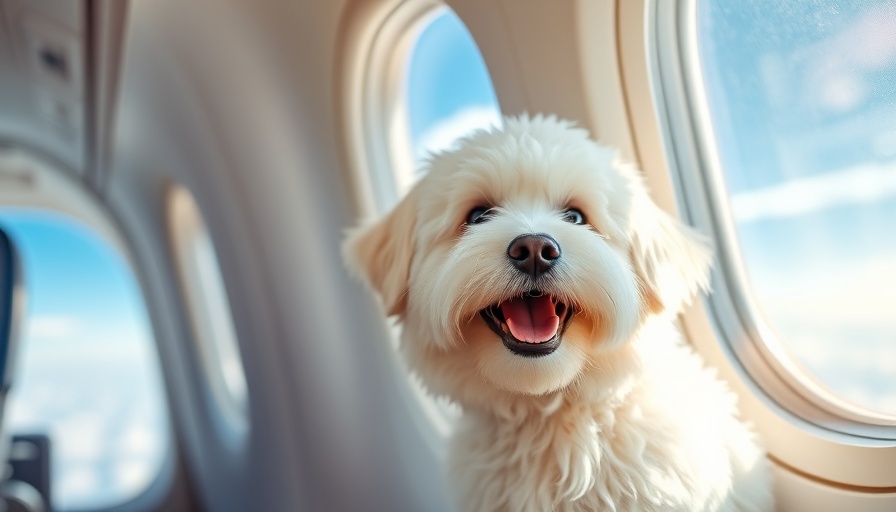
{"x": 186, "y": 229}
{"x": 382, "y": 165}
{"x": 45, "y": 184}
{"x": 824, "y": 438}
{"x": 381, "y": 162}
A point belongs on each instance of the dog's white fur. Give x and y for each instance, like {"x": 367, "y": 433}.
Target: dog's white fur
{"x": 622, "y": 416}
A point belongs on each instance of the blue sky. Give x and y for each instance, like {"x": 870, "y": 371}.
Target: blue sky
{"x": 71, "y": 270}
{"x": 446, "y": 76}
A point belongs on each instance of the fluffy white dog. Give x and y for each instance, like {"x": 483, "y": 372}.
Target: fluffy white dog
{"x": 537, "y": 285}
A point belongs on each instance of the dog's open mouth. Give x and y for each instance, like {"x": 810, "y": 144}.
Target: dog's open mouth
{"x": 530, "y": 325}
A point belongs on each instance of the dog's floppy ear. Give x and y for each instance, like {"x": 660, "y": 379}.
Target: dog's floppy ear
{"x": 671, "y": 260}
{"x": 380, "y": 253}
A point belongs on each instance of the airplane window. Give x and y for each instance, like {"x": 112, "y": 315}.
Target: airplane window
{"x": 449, "y": 91}
{"x": 87, "y": 374}
{"x": 448, "y": 94}
{"x": 803, "y": 105}
{"x": 207, "y": 299}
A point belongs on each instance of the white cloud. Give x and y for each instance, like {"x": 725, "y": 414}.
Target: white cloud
{"x": 132, "y": 476}
{"x": 81, "y": 437}
{"x": 838, "y": 323}
{"x": 51, "y": 327}
{"x": 856, "y": 185}
{"x": 442, "y": 135}
{"x": 80, "y": 482}
{"x": 845, "y": 292}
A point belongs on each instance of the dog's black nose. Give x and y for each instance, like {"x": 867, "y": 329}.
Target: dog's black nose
{"x": 533, "y": 254}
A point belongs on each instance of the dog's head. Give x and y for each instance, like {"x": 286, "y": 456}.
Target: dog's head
{"x": 523, "y": 257}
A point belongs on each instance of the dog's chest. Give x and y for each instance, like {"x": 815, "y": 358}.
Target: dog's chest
{"x": 573, "y": 460}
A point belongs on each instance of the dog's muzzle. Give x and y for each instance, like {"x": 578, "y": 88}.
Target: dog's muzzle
{"x": 530, "y": 325}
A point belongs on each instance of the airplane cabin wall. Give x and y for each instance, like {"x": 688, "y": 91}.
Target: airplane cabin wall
{"x": 236, "y": 102}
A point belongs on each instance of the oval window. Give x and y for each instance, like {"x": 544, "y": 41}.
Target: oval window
{"x": 88, "y": 374}
{"x": 209, "y": 310}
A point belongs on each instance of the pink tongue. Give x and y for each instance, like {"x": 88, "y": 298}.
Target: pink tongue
{"x": 531, "y": 319}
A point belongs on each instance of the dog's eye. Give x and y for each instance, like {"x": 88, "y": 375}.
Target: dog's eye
{"x": 479, "y": 215}
{"x": 573, "y": 216}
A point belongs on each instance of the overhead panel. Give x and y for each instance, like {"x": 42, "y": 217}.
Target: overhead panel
{"x": 42, "y": 78}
